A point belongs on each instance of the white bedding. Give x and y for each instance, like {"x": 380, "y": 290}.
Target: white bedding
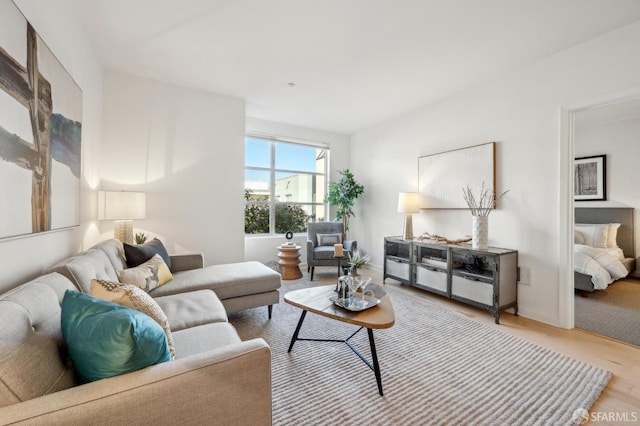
{"x": 603, "y": 264}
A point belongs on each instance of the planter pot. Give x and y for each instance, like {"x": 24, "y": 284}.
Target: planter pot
{"x": 480, "y": 233}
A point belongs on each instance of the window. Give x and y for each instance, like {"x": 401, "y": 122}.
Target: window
{"x": 284, "y": 185}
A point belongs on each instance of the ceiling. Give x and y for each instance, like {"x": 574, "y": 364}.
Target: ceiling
{"x": 354, "y": 63}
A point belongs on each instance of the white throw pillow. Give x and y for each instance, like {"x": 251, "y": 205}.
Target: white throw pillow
{"x": 151, "y": 274}
{"x": 577, "y": 237}
{"x": 612, "y": 235}
{"x": 594, "y": 235}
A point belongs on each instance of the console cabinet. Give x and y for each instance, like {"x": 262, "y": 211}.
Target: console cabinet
{"x": 483, "y": 278}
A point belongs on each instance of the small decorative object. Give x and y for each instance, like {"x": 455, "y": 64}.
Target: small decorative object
{"x": 480, "y": 209}
{"x": 343, "y": 194}
{"x": 141, "y": 238}
{"x": 338, "y": 250}
{"x": 590, "y": 178}
{"x": 288, "y": 235}
{"x": 358, "y": 259}
{"x": 475, "y": 264}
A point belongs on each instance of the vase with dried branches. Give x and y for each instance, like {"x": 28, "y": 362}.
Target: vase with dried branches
{"x": 480, "y": 208}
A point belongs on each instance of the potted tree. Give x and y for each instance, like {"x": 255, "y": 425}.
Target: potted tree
{"x": 342, "y": 194}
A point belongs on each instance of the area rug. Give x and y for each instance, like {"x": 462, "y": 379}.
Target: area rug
{"x": 613, "y": 312}
{"x": 437, "y": 368}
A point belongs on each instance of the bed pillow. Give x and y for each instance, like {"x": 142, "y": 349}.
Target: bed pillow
{"x": 138, "y": 254}
{"x": 594, "y": 235}
{"x": 105, "y": 339}
{"x": 151, "y": 274}
{"x": 612, "y": 235}
{"x": 578, "y": 238}
{"x": 329, "y": 239}
{"x": 133, "y": 297}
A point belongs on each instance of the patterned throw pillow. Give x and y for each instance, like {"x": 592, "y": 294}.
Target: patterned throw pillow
{"x": 329, "y": 239}
{"x": 151, "y": 274}
{"x": 133, "y": 297}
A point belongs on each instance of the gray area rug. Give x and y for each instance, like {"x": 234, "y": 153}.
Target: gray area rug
{"x": 613, "y": 312}
{"x": 437, "y": 368}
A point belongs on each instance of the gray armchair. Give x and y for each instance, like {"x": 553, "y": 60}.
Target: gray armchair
{"x": 320, "y": 249}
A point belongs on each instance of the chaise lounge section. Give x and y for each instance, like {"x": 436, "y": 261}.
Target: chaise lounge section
{"x": 239, "y": 286}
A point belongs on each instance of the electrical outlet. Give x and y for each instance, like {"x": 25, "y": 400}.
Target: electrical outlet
{"x": 525, "y": 275}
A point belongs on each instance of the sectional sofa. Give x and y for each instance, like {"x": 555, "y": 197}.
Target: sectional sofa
{"x": 215, "y": 379}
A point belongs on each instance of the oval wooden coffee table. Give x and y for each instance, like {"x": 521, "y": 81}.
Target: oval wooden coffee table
{"x": 317, "y": 300}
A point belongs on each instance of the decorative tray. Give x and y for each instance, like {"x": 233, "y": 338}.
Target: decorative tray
{"x": 357, "y": 307}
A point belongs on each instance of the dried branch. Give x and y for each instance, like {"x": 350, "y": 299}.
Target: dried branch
{"x": 439, "y": 239}
{"x": 483, "y": 205}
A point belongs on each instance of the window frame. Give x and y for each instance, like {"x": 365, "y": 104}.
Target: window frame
{"x": 272, "y": 202}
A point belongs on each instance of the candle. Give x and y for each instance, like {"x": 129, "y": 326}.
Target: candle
{"x": 337, "y": 250}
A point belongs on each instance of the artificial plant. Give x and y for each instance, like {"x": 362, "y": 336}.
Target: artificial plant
{"x": 342, "y": 194}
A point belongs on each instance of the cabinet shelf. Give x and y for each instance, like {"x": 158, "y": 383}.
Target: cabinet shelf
{"x": 483, "y": 278}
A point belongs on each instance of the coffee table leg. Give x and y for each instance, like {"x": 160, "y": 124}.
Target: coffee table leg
{"x": 295, "y": 333}
{"x": 374, "y": 356}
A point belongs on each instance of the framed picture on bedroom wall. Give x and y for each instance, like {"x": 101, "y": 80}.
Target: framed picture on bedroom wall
{"x": 590, "y": 178}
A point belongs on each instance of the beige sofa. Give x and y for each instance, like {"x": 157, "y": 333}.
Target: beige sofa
{"x": 215, "y": 379}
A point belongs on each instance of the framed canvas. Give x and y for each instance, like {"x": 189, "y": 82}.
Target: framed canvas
{"x": 40, "y": 133}
{"x": 590, "y": 178}
{"x": 442, "y": 176}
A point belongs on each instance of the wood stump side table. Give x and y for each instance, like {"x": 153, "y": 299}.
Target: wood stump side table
{"x": 289, "y": 255}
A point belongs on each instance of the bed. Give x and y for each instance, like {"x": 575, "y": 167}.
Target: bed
{"x": 624, "y": 238}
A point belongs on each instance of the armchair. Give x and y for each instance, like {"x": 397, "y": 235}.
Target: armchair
{"x": 322, "y": 255}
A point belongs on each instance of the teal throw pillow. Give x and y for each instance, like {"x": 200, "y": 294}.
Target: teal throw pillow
{"x": 105, "y": 339}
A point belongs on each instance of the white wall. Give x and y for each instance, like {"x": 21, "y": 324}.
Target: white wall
{"x": 520, "y": 111}
{"x": 185, "y": 149}
{"x": 26, "y": 257}
{"x": 620, "y": 141}
{"x": 261, "y": 248}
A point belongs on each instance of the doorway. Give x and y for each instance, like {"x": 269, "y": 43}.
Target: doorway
{"x": 610, "y": 127}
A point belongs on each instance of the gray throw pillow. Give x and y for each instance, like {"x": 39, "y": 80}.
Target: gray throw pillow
{"x": 329, "y": 239}
{"x": 137, "y": 255}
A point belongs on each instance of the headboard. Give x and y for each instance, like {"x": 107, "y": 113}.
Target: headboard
{"x": 621, "y": 215}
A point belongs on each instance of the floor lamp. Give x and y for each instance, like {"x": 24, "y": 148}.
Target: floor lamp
{"x": 123, "y": 208}
{"x": 408, "y": 203}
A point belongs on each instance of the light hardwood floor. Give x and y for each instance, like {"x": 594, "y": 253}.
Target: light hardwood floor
{"x": 621, "y": 397}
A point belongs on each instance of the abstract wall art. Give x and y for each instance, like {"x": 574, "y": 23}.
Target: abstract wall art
{"x": 40, "y": 133}
{"x": 442, "y": 176}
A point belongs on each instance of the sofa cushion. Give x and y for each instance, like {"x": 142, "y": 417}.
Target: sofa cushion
{"x": 324, "y": 253}
{"x": 105, "y": 339}
{"x": 147, "y": 276}
{"x": 138, "y": 254}
{"x": 227, "y": 280}
{"x": 115, "y": 252}
{"x": 135, "y": 298}
{"x": 195, "y": 340}
{"x": 32, "y": 352}
{"x": 81, "y": 269}
{"x": 192, "y": 308}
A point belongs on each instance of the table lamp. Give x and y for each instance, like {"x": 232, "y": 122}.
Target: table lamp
{"x": 122, "y": 207}
{"x": 408, "y": 203}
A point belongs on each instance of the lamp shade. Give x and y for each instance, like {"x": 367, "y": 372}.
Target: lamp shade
{"x": 121, "y": 205}
{"x": 408, "y": 202}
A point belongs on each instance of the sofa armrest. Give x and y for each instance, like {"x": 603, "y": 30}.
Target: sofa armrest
{"x": 185, "y": 262}
{"x": 350, "y": 245}
{"x": 229, "y": 385}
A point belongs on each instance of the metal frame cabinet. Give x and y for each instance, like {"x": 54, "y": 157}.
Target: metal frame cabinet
{"x": 484, "y": 278}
